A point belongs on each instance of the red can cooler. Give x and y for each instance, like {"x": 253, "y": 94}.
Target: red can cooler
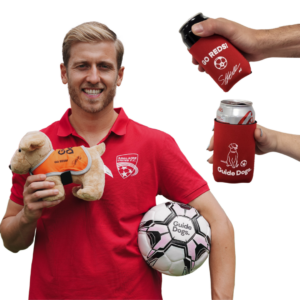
{"x": 218, "y": 57}
{"x": 234, "y": 152}
{"x": 234, "y": 143}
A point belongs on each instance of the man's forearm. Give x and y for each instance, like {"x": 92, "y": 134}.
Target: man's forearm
{"x": 280, "y": 42}
{"x": 222, "y": 260}
{"x": 17, "y": 234}
{"x": 288, "y": 144}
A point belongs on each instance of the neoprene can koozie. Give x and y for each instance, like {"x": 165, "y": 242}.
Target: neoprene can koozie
{"x": 220, "y": 59}
{"x": 234, "y": 152}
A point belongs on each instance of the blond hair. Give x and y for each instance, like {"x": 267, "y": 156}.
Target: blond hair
{"x": 91, "y": 32}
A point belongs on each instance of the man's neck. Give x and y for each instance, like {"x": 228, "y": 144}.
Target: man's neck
{"x": 93, "y": 127}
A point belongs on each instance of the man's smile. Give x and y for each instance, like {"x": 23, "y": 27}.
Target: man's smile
{"x": 92, "y": 93}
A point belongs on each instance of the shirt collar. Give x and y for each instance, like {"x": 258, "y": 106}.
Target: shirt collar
{"x": 119, "y": 127}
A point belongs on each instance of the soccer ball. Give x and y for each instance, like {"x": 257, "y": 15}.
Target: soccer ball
{"x": 220, "y": 63}
{"x": 244, "y": 163}
{"x": 174, "y": 238}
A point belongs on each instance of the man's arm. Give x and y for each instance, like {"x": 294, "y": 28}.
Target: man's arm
{"x": 222, "y": 255}
{"x": 267, "y": 140}
{"x": 254, "y": 44}
{"x": 18, "y": 225}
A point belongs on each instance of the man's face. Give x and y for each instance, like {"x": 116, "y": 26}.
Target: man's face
{"x": 92, "y": 75}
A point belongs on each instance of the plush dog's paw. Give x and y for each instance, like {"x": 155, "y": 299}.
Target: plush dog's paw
{"x": 75, "y": 189}
{"x": 86, "y": 194}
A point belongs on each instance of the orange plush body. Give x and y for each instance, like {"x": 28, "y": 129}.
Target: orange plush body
{"x": 74, "y": 159}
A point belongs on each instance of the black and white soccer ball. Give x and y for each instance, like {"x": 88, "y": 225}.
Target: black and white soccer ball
{"x": 174, "y": 238}
{"x": 220, "y": 63}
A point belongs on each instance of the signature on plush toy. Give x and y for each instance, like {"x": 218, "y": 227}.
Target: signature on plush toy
{"x": 79, "y": 165}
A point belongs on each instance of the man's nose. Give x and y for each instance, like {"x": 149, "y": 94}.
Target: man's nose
{"x": 93, "y": 76}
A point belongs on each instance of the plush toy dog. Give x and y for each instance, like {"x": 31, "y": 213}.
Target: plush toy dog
{"x": 79, "y": 165}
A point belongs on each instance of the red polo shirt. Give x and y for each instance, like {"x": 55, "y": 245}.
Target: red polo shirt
{"x": 89, "y": 250}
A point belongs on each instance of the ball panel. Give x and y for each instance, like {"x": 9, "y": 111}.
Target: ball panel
{"x": 177, "y": 268}
{"x": 178, "y": 210}
{"x": 200, "y": 250}
{"x": 144, "y": 243}
{"x": 208, "y": 231}
{"x": 166, "y": 273}
{"x": 199, "y": 239}
{"x": 162, "y": 264}
{"x": 182, "y": 229}
{"x": 200, "y": 261}
{"x": 175, "y": 253}
{"x": 191, "y": 213}
{"x": 165, "y": 239}
{"x": 203, "y": 224}
{"x": 159, "y": 228}
{"x": 161, "y": 212}
{"x": 191, "y": 249}
{"x": 148, "y": 216}
{"x": 154, "y": 237}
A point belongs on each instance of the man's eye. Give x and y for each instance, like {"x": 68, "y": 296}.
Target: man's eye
{"x": 81, "y": 66}
{"x": 105, "y": 66}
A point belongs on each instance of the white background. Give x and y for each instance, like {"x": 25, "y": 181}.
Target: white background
{"x": 163, "y": 89}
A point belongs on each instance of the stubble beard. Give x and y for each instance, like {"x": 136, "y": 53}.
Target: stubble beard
{"x": 75, "y": 97}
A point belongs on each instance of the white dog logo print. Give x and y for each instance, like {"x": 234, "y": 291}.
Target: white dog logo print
{"x": 232, "y": 157}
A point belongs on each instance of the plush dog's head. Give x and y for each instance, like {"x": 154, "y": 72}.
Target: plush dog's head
{"x": 33, "y": 147}
{"x": 233, "y": 146}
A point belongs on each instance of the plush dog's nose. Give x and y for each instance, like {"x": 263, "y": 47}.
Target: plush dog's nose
{"x": 9, "y": 166}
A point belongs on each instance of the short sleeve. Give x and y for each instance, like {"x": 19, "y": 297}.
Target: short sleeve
{"x": 18, "y": 182}
{"x": 178, "y": 180}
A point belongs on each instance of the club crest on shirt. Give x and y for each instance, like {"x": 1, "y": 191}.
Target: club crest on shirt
{"x": 126, "y": 165}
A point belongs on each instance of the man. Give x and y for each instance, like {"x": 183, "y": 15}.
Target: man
{"x": 88, "y": 250}
{"x": 257, "y": 45}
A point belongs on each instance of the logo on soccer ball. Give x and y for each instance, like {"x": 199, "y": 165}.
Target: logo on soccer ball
{"x": 126, "y": 165}
{"x": 243, "y": 163}
{"x": 220, "y": 63}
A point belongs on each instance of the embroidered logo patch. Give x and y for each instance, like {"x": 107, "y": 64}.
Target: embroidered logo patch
{"x": 126, "y": 165}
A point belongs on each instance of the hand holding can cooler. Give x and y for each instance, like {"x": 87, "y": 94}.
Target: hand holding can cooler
{"x": 218, "y": 57}
{"x": 234, "y": 144}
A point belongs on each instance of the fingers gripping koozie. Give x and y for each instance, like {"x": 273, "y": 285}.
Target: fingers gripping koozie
{"x": 234, "y": 152}
{"x": 220, "y": 59}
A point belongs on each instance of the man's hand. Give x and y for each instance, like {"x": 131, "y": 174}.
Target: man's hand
{"x": 37, "y": 187}
{"x": 255, "y": 45}
{"x": 243, "y": 38}
{"x": 18, "y": 225}
{"x": 267, "y": 140}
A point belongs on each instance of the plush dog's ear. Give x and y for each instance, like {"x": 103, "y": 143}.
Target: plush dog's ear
{"x": 101, "y": 148}
{"x": 33, "y": 140}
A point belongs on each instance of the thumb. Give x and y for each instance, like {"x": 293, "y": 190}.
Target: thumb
{"x": 214, "y": 26}
{"x": 259, "y": 136}
{"x": 263, "y": 140}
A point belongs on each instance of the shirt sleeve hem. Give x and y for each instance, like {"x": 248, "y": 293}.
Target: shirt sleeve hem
{"x": 192, "y": 196}
{"x": 16, "y": 200}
